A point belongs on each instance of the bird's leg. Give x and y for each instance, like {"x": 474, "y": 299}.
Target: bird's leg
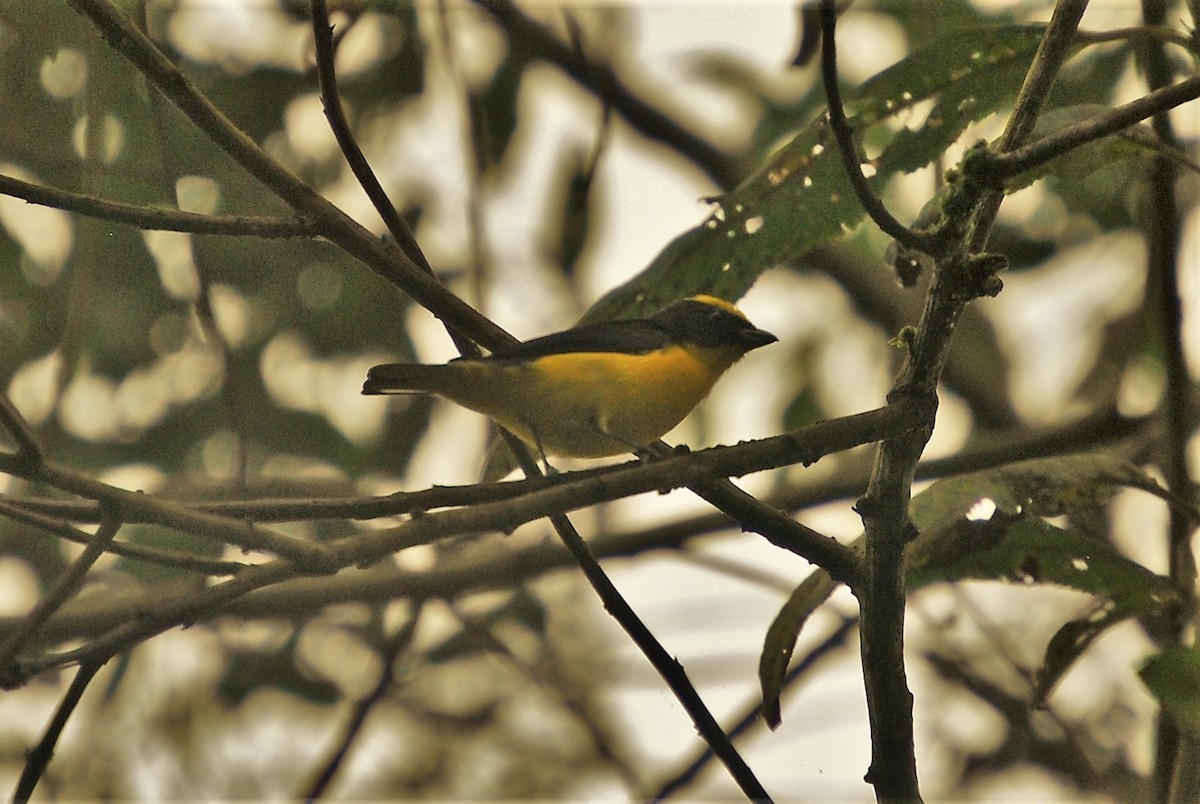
{"x": 600, "y": 428}
{"x": 659, "y": 450}
{"x": 537, "y": 442}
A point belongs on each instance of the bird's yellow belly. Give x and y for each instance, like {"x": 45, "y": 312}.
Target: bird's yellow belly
{"x": 593, "y": 405}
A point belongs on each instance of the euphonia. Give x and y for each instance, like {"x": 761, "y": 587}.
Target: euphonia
{"x": 596, "y": 389}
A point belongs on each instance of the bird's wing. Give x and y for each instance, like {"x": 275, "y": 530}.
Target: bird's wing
{"x": 630, "y": 336}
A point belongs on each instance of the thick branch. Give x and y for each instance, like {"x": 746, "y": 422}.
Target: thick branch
{"x": 1176, "y": 778}
{"x": 686, "y": 470}
{"x": 884, "y": 508}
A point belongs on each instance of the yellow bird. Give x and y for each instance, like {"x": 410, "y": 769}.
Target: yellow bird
{"x": 597, "y": 389}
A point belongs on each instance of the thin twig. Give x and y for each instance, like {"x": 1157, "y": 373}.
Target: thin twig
{"x": 28, "y": 450}
{"x": 336, "y": 115}
{"x": 155, "y": 218}
{"x": 323, "y": 42}
{"x": 752, "y": 712}
{"x": 301, "y": 598}
{"x": 1146, "y": 33}
{"x": 21, "y": 512}
{"x": 137, "y": 508}
{"x": 331, "y": 101}
{"x": 844, "y": 134}
{"x": 1051, "y": 53}
{"x": 777, "y": 527}
{"x": 394, "y": 647}
{"x": 1008, "y": 164}
{"x": 667, "y": 666}
{"x": 65, "y": 586}
{"x": 477, "y": 628}
{"x": 1101, "y": 429}
{"x": 164, "y": 615}
{"x": 39, "y": 756}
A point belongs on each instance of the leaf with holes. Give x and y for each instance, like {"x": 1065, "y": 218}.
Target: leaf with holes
{"x": 800, "y": 197}
{"x": 1013, "y": 544}
{"x": 1041, "y": 486}
{"x": 1016, "y": 544}
{"x": 973, "y": 73}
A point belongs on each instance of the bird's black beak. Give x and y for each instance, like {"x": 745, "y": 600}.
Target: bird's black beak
{"x": 753, "y": 338}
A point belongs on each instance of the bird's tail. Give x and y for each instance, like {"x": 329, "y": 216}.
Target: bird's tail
{"x": 405, "y": 378}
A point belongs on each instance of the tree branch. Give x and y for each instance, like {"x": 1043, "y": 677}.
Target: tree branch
{"x": 400, "y": 642}
{"x": 20, "y": 511}
{"x": 39, "y": 756}
{"x": 600, "y": 80}
{"x": 158, "y": 615}
{"x": 135, "y": 507}
{"x": 1176, "y": 777}
{"x": 1008, "y": 164}
{"x": 143, "y": 217}
{"x": 752, "y": 712}
{"x": 962, "y": 273}
{"x": 29, "y": 453}
{"x": 385, "y": 258}
{"x": 65, "y": 587}
{"x": 844, "y": 134}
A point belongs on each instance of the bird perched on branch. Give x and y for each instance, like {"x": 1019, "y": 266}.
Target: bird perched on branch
{"x": 597, "y": 389}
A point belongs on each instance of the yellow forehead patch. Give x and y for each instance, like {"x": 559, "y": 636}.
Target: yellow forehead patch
{"x": 715, "y": 302}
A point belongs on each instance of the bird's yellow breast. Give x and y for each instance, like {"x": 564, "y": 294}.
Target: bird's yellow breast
{"x": 592, "y": 404}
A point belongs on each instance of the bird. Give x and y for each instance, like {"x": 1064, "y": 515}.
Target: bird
{"x": 597, "y": 389}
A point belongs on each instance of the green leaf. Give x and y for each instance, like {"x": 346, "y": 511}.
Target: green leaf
{"x": 797, "y": 200}
{"x": 800, "y": 197}
{"x": 1173, "y": 676}
{"x": 1041, "y": 486}
{"x": 805, "y": 408}
{"x": 1070, "y": 641}
{"x": 166, "y": 539}
{"x": 494, "y": 109}
{"x": 973, "y": 73}
{"x": 1014, "y": 544}
{"x": 951, "y": 60}
{"x": 781, "y": 639}
{"x": 1029, "y": 550}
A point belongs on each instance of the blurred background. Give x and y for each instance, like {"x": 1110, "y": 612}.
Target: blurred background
{"x": 206, "y": 367}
